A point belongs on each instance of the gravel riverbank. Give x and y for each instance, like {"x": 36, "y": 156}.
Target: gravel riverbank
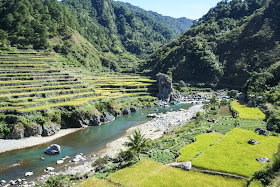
{"x": 9, "y": 145}
{"x": 153, "y": 129}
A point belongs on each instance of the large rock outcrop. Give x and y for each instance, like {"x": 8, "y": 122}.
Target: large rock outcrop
{"x": 33, "y": 130}
{"x": 164, "y": 87}
{"x": 50, "y": 129}
{"x": 17, "y": 132}
{"x": 107, "y": 117}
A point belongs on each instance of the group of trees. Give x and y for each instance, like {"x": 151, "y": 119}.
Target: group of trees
{"x": 222, "y": 48}
{"x": 30, "y": 24}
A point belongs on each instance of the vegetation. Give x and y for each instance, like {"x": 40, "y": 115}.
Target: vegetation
{"x": 94, "y": 182}
{"x": 241, "y": 157}
{"x": 150, "y": 173}
{"x": 224, "y": 47}
{"x": 202, "y": 143}
{"x": 136, "y": 142}
{"x": 247, "y": 112}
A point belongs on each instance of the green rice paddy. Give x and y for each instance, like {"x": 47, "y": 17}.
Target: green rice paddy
{"x": 34, "y": 81}
{"x": 150, "y": 173}
{"x": 233, "y": 154}
{"x": 247, "y": 112}
{"x": 202, "y": 143}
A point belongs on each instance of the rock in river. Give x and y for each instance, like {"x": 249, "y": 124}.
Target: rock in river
{"x": 60, "y": 162}
{"x": 53, "y": 149}
{"x": 27, "y": 174}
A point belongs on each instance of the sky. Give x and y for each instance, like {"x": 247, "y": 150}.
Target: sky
{"x": 192, "y": 9}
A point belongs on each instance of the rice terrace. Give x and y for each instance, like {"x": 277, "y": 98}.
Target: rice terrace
{"x": 104, "y": 93}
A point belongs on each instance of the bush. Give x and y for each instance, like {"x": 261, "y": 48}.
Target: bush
{"x": 57, "y": 181}
{"x": 100, "y": 163}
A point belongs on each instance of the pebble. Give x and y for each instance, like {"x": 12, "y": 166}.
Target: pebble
{"x": 49, "y": 169}
{"x": 60, "y": 162}
{"x": 12, "y": 182}
{"x": 28, "y": 174}
{"x": 3, "y": 182}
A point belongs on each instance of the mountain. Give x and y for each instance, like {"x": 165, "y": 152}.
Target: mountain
{"x": 224, "y": 47}
{"x": 177, "y": 26}
{"x": 89, "y": 33}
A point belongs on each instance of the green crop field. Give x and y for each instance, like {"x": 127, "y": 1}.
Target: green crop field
{"x": 150, "y": 173}
{"x": 203, "y": 142}
{"x": 233, "y": 154}
{"x": 94, "y": 182}
{"x": 226, "y": 123}
{"x": 247, "y": 112}
{"x": 38, "y": 81}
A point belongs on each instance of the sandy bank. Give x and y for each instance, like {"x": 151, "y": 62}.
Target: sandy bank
{"x": 9, "y": 145}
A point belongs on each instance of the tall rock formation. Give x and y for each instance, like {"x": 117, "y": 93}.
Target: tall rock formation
{"x": 164, "y": 87}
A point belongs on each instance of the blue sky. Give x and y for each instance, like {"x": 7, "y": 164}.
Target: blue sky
{"x": 192, "y": 9}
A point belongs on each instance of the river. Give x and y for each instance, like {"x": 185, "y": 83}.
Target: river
{"x": 14, "y": 164}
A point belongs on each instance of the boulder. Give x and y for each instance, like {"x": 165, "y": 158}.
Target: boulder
{"x": 33, "y": 130}
{"x": 2, "y": 182}
{"x": 18, "y": 181}
{"x": 12, "y": 182}
{"x": 17, "y": 132}
{"x": 126, "y": 111}
{"x": 107, "y": 117}
{"x": 263, "y": 160}
{"x": 263, "y": 132}
{"x": 133, "y": 109}
{"x": 60, "y": 162}
{"x": 28, "y": 174}
{"x": 48, "y": 169}
{"x": 182, "y": 165}
{"x": 50, "y": 129}
{"x": 95, "y": 120}
{"x": 53, "y": 149}
{"x": 258, "y": 129}
{"x": 164, "y": 87}
{"x": 253, "y": 142}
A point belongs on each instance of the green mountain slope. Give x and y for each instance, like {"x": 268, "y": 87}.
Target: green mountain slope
{"x": 116, "y": 35}
{"x": 232, "y": 40}
{"x": 177, "y": 26}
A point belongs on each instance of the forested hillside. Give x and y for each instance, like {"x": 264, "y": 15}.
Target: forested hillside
{"x": 225, "y": 46}
{"x": 177, "y": 26}
{"x": 89, "y": 33}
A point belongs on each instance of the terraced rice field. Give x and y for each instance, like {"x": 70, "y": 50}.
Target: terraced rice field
{"x": 38, "y": 81}
{"x": 202, "y": 143}
{"x": 247, "y": 112}
{"x": 233, "y": 154}
{"x": 150, "y": 173}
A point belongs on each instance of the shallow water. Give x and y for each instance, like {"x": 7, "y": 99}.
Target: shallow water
{"x": 14, "y": 164}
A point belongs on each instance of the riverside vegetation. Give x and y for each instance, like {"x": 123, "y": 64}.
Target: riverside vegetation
{"x": 209, "y": 152}
{"x": 79, "y": 63}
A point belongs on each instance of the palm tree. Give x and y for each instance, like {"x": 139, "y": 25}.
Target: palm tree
{"x": 136, "y": 142}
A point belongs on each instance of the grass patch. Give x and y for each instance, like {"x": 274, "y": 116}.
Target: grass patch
{"x": 227, "y": 123}
{"x": 149, "y": 173}
{"x": 203, "y": 141}
{"x": 234, "y": 155}
{"x": 247, "y": 112}
{"x": 94, "y": 182}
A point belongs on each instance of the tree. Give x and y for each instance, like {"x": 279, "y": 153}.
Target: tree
{"x": 136, "y": 142}
{"x": 232, "y": 93}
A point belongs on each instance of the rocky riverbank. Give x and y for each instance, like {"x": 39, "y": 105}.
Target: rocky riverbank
{"x": 153, "y": 129}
